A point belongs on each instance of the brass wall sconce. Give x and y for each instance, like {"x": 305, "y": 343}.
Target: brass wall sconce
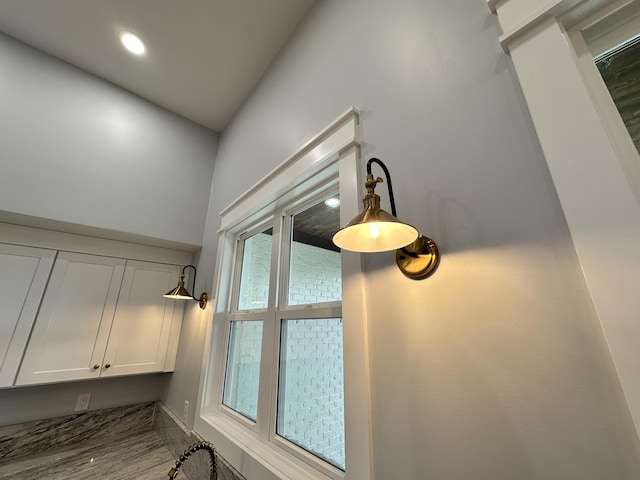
{"x": 375, "y": 230}
{"x": 181, "y": 293}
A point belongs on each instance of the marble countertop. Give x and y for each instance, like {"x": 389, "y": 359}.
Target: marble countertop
{"x": 139, "y": 457}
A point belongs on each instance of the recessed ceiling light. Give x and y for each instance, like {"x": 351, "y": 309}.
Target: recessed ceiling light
{"x": 132, "y": 43}
{"x": 332, "y": 202}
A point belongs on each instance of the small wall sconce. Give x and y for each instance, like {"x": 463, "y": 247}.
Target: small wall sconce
{"x": 375, "y": 230}
{"x": 181, "y": 293}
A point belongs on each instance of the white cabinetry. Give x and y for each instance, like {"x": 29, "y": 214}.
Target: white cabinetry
{"x": 72, "y": 328}
{"x": 101, "y": 316}
{"x": 143, "y": 321}
{"x": 24, "y": 272}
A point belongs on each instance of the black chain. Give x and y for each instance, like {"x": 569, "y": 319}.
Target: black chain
{"x": 190, "y": 451}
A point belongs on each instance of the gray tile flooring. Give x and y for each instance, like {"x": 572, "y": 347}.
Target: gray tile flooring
{"x": 139, "y": 457}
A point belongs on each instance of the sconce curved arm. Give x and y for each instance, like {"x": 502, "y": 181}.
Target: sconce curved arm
{"x": 386, "y": 174}
{"x": 195, "y": 273}
{"x": 203, "y": 297}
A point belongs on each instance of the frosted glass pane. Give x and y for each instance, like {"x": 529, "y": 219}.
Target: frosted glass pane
{"x": 243, "y": 368}
{"x": 315, "y": 271}
{"x": 256, "y": 265}
{"x": 310, "y": 394}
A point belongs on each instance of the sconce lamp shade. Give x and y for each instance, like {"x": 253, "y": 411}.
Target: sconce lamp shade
{"x": 375, "y": 230}
{"x": 181, "y": 293}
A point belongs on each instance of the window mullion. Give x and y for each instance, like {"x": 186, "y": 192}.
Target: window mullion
{"x": 282, "y": 295}
{"x": 283, "y": 282}
{"x": 315, "y": 312}
{"x": 237, "y": 269}
{"x": 268, "y": 370}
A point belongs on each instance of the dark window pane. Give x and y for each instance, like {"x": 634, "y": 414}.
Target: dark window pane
{"x": 315, "y": 271}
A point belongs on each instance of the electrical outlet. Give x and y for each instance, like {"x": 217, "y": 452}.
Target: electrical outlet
{"x": 82, "y": 402}
{"x": 185, "y": 412}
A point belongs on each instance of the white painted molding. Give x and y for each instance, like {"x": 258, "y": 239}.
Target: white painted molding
{"x": 338, "y": 135}
{"x": 517, "y": 17}
{"x": 334, "y": 152}
{"x": 492, "y": 5}
{"x": 587, "y": 163}
{"x": 71, "y": 242}
{"x": 87, "y": 231}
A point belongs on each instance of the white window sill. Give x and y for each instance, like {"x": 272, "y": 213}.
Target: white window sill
{"x": 253, "y": 457}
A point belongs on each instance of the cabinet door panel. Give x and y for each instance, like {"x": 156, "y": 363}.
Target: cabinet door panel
{"x": 72, "y": 328}
{"x": 143, "y": 320}
{"x": 25, "y": 272}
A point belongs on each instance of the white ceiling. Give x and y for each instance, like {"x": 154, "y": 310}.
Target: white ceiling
{"x": 203, "y": 56}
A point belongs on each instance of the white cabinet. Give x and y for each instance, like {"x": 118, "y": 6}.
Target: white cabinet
{"x": 102, "y": 316}
{"x": 142, "y": 326}
{"x": 72, "y": 328}
{"x": 24, "y": 272}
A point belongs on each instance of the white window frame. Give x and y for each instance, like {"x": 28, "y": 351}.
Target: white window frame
{"x": 250, "y": 448}
{"x": 595, "y": 170}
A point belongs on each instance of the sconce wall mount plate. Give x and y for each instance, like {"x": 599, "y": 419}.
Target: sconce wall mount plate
{"x": 419, "y": 259}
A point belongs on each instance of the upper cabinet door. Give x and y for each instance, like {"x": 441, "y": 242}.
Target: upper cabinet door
{"x": 143, "y": 321}
{"x": 71, "y": 331}
{"x": 24, "y": 275}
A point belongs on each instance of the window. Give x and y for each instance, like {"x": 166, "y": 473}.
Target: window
{"x": 243, "y": 367}
{"x": 620, "y": 71}
{"x": 255, "y": 253}
{"x": 245, "y": 336}
{"x": 305, "y": 266}
{"x": 278, "y": 398}
{"x": 310, "y": 394}
{"x": 613, "y": 40}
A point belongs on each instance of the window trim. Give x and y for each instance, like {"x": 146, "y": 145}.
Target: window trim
{"x": 335, "y": 148}
{"x": 601, "y": 203}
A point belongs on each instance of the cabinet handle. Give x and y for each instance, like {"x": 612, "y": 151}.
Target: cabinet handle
{"x": 107, "y": 365}
{"x": 96, "y": 366}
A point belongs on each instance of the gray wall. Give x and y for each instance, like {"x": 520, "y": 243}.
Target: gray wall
{"x": 495, "y": 367}
{"x": 77, "y": 149}
{"x": 25, "y": 404}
